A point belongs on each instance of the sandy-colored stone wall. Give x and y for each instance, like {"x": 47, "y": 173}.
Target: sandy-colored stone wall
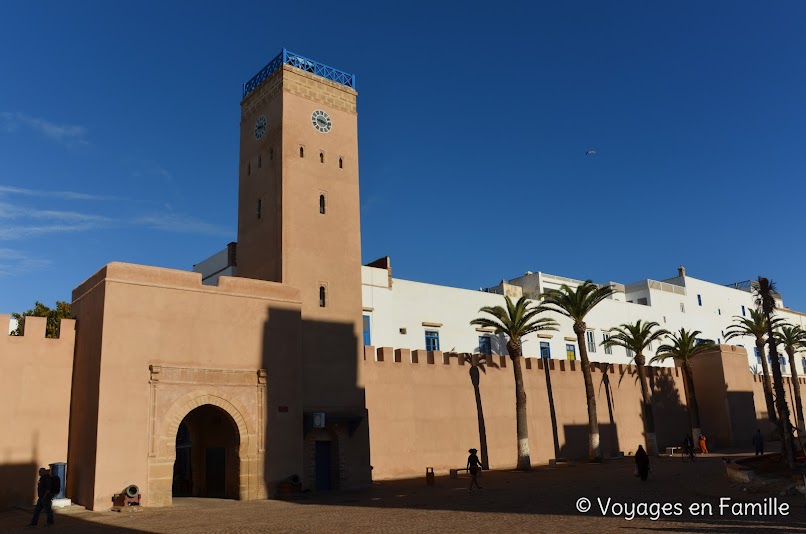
{"x": 154, "y": 345}
{"x": 424, "y": 414}
{"x": 35, "y": 377}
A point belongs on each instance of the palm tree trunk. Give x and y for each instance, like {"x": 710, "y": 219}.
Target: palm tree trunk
{"x": 474, "y": 378}
{"x": 762, "y": 350}
{"x": 693, "y": 407}
{"x": 649, "y": 416}
{"x": 551, "y": 410}
{"x": 796, "y": 386}
{"x": 594, "y": 443}
{"x": 522, "y": 422}
{"x": 780, "y": 399}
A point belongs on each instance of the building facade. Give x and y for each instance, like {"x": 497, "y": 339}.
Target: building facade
{"x": 276, "y": 364}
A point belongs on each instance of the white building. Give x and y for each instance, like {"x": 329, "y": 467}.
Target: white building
{"x": 415, "y": 315}
{"x": 405, "y": 314}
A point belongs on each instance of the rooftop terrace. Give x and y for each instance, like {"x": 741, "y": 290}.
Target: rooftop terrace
{"x": 295, "y": 60}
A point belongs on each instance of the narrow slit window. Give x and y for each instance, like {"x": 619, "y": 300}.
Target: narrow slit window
{"x": 322, "y": 297}
{"x": 322, "y": 204}
{"x": 259, "y": 208}
{"x": 341, "y": 163}
{"x": 259, "y": 162}
{"x": 321, "y": 157}
{"x": 302, "y": 152}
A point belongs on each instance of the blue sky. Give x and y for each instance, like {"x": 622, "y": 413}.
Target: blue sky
{"x": 119, "y": 136}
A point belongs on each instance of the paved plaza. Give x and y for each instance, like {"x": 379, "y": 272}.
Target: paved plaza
{"x": 543, "y": 500}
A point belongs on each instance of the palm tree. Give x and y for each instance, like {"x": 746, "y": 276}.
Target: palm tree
{"x": 765, "y": 293}
{"x": 576, "y": 304}
{"x": 756, "y": 327}
{"x": 793, "y": 338}
{"x": 683, "y": 348}
{"x": 637, "y": 338}
{"x": 516, "y": 321}
{"x": 478, "y": 363}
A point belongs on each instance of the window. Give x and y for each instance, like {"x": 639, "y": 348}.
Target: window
{"x": 782, "y": 359}
{"x": 545, "y": 349}
{"x": 570, "y": 351}
{"x": 341, "y": 163}
{"x": 249, "y": 168}
{"x": 608, "y": 350}
{"x": 682, "y": 308}
{"x": 803, "y": 364}
{"x": 302, "y": 152}
{"x": 643, "y": 301}
{"x": 259, "y": 208}
{"x": 485, "y": 345}
{"x": 259, "y": 162}
{"x": 321, "y": 157}
{"x": 699, "y": 300}
{"x": 367, "y": 336}
{"x": 718, "y": 341}
{"x": 431, "y": 340}
{"x": 322, "y": 296}
{"x": 719, "y": 311}
{"x": 743, "y": 311}
{"x": 591, "y": 341}
{"x": 322, "y": 204}
{"x": 758, "y": 356}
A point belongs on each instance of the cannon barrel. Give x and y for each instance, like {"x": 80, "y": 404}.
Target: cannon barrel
{"x": 131, "y": 491}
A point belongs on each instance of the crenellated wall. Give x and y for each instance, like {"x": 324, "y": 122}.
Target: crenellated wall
{"x": 35, "y": 375}
{"x": 423, "y": 408}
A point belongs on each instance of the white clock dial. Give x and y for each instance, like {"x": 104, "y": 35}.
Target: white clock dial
{"x": 321, "y": 121}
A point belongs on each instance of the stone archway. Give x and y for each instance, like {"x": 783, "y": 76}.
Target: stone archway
{"x": 247, "y": 482}
{"x": 207, "y": 455}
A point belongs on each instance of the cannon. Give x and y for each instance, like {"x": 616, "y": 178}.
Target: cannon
{"x": 128, "y": 497}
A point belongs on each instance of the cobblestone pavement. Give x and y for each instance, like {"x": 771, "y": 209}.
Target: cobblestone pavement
{"x": 543, "y": 500}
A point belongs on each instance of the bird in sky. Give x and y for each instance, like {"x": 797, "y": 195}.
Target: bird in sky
{"x": 590, "y": 152}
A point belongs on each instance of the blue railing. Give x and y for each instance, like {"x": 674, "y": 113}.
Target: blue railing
{"x": 302, "y": 63}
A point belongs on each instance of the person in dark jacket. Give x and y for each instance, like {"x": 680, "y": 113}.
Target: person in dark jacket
{"x": 758, "y": 442}
{"x": 642, "y": 463}
{"x": 45, "y": 498}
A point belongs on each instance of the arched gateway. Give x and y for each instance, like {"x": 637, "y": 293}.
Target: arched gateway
{"x": 206, "y": 442}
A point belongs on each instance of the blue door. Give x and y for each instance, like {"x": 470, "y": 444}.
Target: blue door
{"x": 324, "y": 469}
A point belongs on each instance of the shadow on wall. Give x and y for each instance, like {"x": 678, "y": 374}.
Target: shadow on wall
{"x": 575, "y": 446}
{"x": 671, "y": 415}
{"x": 18, "y": 483}
{"x": 742, "y": 409}
{"x": 335, "y": 448}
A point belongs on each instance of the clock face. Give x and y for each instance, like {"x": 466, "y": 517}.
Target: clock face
{"x": 260, "y": 127}
{"x": 321, "y": 121}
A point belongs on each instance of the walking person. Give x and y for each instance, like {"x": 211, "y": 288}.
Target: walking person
{"x": 758, "y": 442}
{"x": 473, "y": 466}
{"x": 703, "y": 445}
{"x": 688, "y": 447}
{"x": 642, "y": 463}
{"x": 44, "y": 490}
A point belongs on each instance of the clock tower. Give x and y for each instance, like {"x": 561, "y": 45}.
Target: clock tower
{"x": 299, "y": 224}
